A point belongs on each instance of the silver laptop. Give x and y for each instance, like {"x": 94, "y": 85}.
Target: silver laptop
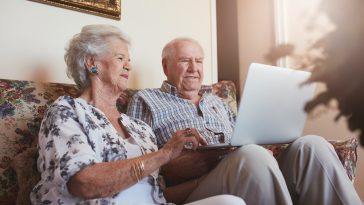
{"x": 271, "y": 107}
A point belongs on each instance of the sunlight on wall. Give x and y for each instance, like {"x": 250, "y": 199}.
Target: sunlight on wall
{"x": 301, "y": 24}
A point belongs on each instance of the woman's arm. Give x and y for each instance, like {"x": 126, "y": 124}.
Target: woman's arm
{"x": 108, "y": 178}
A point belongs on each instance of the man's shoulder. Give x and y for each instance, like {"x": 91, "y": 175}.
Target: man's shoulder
{"x": 149, "y": 93}
{"x": 213, "y": 97}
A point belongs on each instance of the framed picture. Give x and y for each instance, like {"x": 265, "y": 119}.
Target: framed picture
{"x": 105, "y": 8}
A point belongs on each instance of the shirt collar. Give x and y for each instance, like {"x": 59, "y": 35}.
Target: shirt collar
{"x": 168, "y": 88}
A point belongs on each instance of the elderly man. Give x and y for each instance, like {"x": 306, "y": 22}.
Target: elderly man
{"x": 308, "y": 172}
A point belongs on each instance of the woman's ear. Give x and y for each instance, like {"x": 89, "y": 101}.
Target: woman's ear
{"x": 89, "y": 62}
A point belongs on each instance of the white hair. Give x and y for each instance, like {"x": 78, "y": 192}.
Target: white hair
{"x": 170, "y": 49}
{"x": 92, "y": 41}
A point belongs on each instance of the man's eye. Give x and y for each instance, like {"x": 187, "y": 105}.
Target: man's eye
{"x": 184, "y": 60}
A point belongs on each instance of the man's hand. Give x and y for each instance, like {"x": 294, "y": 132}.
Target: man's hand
{"x": 191, "y": 164}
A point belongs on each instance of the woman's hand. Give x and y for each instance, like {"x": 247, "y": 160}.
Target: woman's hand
{"x": 188, "y": 138}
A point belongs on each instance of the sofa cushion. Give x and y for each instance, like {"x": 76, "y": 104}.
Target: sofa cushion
{"x": 22, "y": 106}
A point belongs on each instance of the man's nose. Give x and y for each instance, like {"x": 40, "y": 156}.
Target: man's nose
{"x": 193, "y": 66}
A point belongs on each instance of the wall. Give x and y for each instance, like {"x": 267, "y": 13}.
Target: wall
{"x": 255, "y": 23}
{"x": 244, "y": 31}
{"x": 256, "y": 29}
{"x": 33, "y": 36}
{"x": 227, "y": 40}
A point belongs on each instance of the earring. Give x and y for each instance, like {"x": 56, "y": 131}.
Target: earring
{"x": 94, "y": 70}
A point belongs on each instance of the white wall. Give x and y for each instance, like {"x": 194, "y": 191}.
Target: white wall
{"x": 34, "y": 34}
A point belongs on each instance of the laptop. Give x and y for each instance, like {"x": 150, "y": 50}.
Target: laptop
{"x": 271, "y": 109}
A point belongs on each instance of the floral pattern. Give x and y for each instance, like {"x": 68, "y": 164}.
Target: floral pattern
{"x": 74, "y": 135}
{"x": 24, "y": 103}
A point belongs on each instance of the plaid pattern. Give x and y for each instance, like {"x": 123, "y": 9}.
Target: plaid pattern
{"x": 166, "y": 112}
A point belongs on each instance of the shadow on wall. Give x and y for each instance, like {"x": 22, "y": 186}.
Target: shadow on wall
{"x": 39, "y": 72}
{"x": 340, "y": 65}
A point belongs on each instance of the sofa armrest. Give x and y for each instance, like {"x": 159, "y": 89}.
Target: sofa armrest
{"x": 347, "y": 152}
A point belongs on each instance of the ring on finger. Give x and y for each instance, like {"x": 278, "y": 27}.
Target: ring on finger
{"x": 188, "y": 145}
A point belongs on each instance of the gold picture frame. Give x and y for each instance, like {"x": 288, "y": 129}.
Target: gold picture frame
{"x": 106, "y": 8}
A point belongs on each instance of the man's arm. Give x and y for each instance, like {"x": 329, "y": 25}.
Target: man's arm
{"x": 179, "y": 193}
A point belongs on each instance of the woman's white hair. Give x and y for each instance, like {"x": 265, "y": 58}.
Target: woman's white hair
{"x": 92, "y": 41}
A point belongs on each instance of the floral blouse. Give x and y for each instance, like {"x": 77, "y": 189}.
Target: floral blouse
{"x": 75, "y": 135}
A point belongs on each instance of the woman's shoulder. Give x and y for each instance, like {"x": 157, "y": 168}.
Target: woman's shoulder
{"x": 68, "y": 101}
{"x": 61, "y": 103}
{"x": 64, "y": 100}
{"x": 67, "y": 105}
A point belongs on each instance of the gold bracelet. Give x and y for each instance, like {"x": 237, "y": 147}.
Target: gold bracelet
{"x": 138, "y": 168}
{"x": 141, "y": 165}
{"x": 135, "y": 172}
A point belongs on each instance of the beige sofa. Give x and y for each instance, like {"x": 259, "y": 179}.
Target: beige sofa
{"x": 22, "y": 106}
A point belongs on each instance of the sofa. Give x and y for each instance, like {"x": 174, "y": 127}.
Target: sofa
{"x": 23, "y": 105}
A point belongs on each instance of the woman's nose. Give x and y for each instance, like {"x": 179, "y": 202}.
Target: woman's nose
{"x": 127, "y": 66}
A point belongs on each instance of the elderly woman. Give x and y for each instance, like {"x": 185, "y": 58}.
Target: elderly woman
{"x": 89, "y": 153}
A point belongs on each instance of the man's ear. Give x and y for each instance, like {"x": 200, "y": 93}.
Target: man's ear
{"x": 165, "y": 67}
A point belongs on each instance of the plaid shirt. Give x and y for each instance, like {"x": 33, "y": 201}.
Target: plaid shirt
{"x": 166, "y": 112}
